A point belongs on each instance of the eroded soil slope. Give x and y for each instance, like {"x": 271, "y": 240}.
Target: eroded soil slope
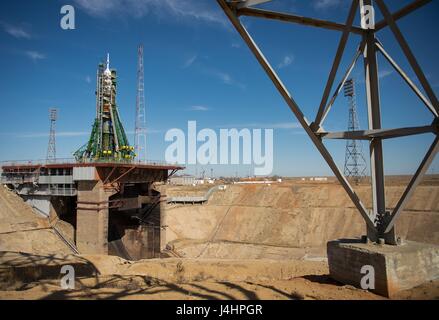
{"x": 288, "y": 220}
{"x": 23, "y": 230}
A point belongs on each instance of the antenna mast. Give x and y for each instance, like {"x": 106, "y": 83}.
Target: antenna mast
{"x": 51, "y": 149}
{"x": 355, "y": 163}
{"x": 140, "y": 131}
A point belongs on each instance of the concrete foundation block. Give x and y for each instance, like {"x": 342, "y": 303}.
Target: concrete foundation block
{"x": 396, "y": 268}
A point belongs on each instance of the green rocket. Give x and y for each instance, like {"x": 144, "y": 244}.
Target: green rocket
{"x": 108, "y": 140}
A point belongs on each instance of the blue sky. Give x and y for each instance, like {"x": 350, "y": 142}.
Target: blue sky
{"x": 198, "y": 68}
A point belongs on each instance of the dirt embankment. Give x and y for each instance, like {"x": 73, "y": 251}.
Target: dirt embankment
{"x": 289, "y": 220}
{"x": 22, "y": 230}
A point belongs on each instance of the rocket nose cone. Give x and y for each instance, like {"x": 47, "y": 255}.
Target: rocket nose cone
{"x": 107, "y": 70}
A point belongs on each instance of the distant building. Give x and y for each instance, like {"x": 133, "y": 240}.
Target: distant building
{"x": 319, "y": 179}
{"x": 184, "y": 180}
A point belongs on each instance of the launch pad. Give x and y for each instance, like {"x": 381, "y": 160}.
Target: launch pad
{"x": 88, "y": 193}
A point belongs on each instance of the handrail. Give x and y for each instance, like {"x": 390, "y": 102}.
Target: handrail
{"x": 41, "y": 162}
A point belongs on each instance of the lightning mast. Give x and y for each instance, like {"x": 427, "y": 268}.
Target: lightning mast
{"x": 355, "y": 163}
{"x": 51, "y": 149}
{"x": 140, "y": 130}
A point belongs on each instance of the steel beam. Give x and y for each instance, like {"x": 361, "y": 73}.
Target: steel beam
{"x": 402, "y": 13}
{"x": 296, "y": 110}
{"x": 123, "y": 175}
{"x": 376, "y": 146}
{"x": 409, "y": 54}
{"x": 382, "y": 133}
{"x": 292, "y": 18}
{"x": 109, "y": 175}
{"x": 407, "y": 79}
{"x": 380, "y": 223}
{"x": 416, "y": 179}
{"x": 336, "y": 64}
{"x": 249, "y": 3}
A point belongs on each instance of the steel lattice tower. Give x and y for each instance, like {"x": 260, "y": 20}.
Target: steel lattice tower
{"x": 380, "y": 221}
{"x": 355, "y": 163}
{"x": 140, "y": 131}
{"x": 51, "y": 149}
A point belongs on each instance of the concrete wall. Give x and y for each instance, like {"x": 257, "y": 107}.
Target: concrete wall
{"x": 55, "y": 180}
{"x": 40, "y": 204}
{"x": 92, "y": 224}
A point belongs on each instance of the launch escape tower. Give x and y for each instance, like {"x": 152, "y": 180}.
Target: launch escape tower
{"x": 355, "y": 163}
{"x": 108, "y": 140}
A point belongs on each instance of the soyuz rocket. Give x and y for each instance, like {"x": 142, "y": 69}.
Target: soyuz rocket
{"x": 108, "y": 140}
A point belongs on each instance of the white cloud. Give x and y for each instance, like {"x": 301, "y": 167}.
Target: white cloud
{"x": 287, "y": 61}
{"x": 326, "y": 4}
{"x": 88, "y": 79}
{"x": 190, "y": 61}
{"x": 35, "y": 55}
{"x": 187, "y": 9}
{"x": 227, "y": 79}
{"x": 99, "y": 7}
{"x": 384, "y": 73}
{"x": 198, "y": 108}
{"x": 16, "y": 31}
{"x": 224, "y": 77}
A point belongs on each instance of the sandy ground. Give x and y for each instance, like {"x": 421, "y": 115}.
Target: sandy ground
{"x": 106, "y": 277}
{"x": 297, "y": 289}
